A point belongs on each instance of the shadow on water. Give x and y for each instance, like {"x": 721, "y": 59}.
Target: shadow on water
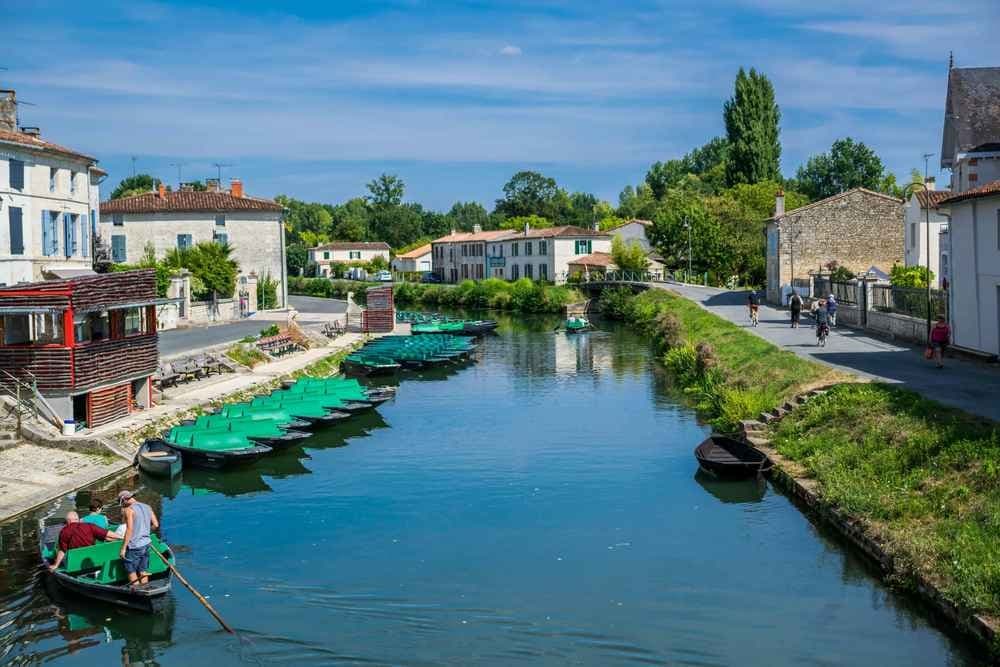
{"x": 732, "y": 491}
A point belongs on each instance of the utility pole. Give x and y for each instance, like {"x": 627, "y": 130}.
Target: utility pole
{"x": 179, "y": 165}
{"x": 927, "y": 224}
{"x": 687, "y": 224}
{"x": 219, "y": 166}
{"x": 134, "y": 158}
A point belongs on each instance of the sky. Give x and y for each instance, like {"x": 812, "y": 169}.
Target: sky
{"x": 315, "y": 99}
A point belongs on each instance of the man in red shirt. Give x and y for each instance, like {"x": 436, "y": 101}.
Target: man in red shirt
{"x": 76, "y": 534}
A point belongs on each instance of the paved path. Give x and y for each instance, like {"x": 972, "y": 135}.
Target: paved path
{"x": 970, "y": 385}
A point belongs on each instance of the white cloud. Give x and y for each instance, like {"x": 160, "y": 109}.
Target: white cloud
{"x": 510, "y": 50}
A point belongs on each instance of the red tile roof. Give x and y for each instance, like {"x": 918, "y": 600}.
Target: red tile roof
{"x": 188, "y": 201}
{"x": 31, "y": 141}
{"x": 465, "y": 237}
{"x": 416, "y": 253}
{"x": 354, "y": 245}
{"x": 991, "y": 189}
{"x": 936, "y": 197}
{"x": 568, "y": 231}
{"x": 594, "y": 259}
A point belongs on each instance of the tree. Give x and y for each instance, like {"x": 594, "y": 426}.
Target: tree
{"x": 463, "y": 216}
{"x": 670, "y": 235}
{"x": 350, "y": 220}
{"x": 296, "y": 259}
{"x": 708, "y": 162}
{"x": 849, "y": 164}
{"x": 386, "y": 191}
{"x": 135, "y": 185}
{"x": 910, "y": 276}
{"x": 637, "y": 202}
{"x": 628, "y": 256}
{"x": 533, "y": 221}
{"x": 752, "y": 118}
{"x": 528, "y": 193}
{"x": 582, "y": 211}
{"x": 211, "y": 264}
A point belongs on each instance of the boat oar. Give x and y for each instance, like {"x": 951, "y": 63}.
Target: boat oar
{"x": 187, "y": 584}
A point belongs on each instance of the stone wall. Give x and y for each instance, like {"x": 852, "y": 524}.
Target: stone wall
{"x": 895, "y": 325}
{"x": 223, "y": 310}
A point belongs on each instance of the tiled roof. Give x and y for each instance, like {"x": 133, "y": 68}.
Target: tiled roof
{"x": 594, "y": 259}
{"x": 354, "y": 245}
{"x": 991, "y": 189}
{"x": 416, "y": 253}
{"x": 188, "y": 201}
{"x": 465, "y": 237}
{"x": 644, "y": 223}
{"x": 971, "y": 112}
{"x": 568, "y": 231}
{"x": 835, "y": 197}
{"x": 31, "y": 141}
{"x": 936, "y": 196}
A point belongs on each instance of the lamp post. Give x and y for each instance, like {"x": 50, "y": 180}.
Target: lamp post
{"x": 907, "y": 192}
{"x": 687, "y": 225}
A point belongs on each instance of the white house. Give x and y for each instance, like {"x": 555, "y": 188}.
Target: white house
{"x": 543, "y": 254}
{"x": 343, "y": 252}
{"x": 165, "y": 220}
{"x": 924, "y": 206}
{"x": 49, "y": 198}
{"x": 462, "y": 255}
{"x": 970, "y": 147}
{"x": 634, "y": 230}
{"x": 418, "y": 259}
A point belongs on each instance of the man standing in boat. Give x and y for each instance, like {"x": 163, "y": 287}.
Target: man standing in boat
{"x": 76, "y": 534}
{"x": 139, "y": 520}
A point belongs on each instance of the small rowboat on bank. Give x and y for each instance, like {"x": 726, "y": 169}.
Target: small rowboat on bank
{"x": 730, "y": 459}
{"x": 157, "y": 460}
{"x": 98, "y": 572}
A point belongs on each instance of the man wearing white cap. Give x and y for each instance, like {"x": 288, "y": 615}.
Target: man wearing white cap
{"x": 139, "y": 519}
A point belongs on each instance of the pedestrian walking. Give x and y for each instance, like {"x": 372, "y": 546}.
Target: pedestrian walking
{"x": 795, "y": 305}
{"x": 753, "y": 303}
{"x": 831, "y": 309}
{"x": 139, "y": 520}
{"x": 940, "y": 338}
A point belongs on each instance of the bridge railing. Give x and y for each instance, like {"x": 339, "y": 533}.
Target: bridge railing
{"x": 616, "y": 277}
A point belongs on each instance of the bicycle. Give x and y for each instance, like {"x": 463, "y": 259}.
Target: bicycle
{"x": 754, "y": 317}
{"x": 821, "y": 335}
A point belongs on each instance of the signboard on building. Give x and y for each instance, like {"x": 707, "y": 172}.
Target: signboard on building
{"x": 497, "y": 261}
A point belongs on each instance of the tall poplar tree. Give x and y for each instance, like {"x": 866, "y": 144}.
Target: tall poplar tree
{"x": 752, "y": 118}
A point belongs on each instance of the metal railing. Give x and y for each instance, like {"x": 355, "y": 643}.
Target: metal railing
{"x": 910, "y": 301}
{"x": 27, "y": 399}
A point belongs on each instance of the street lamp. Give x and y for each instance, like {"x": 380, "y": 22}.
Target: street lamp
{"x": 907, "y": 191}
{"x": 687, "y": 225}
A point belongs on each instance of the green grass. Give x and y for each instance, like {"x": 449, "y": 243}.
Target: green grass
{"x": 246, "y": 355}
{"x": 747, "y": 376}
{"x": 925, "y": 477}
{"x": 524, "y": 295}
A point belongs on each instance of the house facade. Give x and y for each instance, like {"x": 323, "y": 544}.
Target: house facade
{"x": 462, "y": 255}
{"x": 634, "y": 231}
{"x": 543, "y": 254}
{"x": 49, "y": 198}
{"x": 416, "y": 260}
{"x": 924, "y": 206}
{"x": 89, "y": 343}
{"x": 970, "y": 145}
{"x": 858, "y": 229}
{"x": 344, "y": 252}
{"x": 165, "y": 220}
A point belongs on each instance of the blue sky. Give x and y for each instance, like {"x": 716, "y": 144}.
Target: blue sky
{"x": 314, "y": 99}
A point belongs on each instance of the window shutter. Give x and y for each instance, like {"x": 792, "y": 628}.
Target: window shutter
{"x": 46, "y": 234}
{"x": 16, "y": 231}
{"x": 17, "y": 174}
{"x": 68, "y": 234}
{"x": 118, "y": 248}
{"x": 85, "y": 234}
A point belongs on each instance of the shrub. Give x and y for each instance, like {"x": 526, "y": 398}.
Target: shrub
{"x": 272, "y": 330}
{"x": 246, "y": 355}
{"x": 267, "y": 292}
{"x": 668, "y": 330}
{"x": 523, "y": 295}
{"x": 616, "y": 303}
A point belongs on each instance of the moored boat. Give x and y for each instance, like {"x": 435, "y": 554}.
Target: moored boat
{"x": 727, "y": 458}
{"x": 574, "y": 325}
{"x": 157, "y": 460}
{"x": 217, "y": 451}
{"x": 97, "y": 571}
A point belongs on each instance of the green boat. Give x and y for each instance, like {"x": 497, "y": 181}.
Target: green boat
{"x": 261, "y": 432}
{"x": 577, "y": 325}
{"x": 98, "y": 572}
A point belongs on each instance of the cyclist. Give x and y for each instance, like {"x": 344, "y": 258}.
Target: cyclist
{"x": 753, "y": 303}
{"x": 822, "y": 323}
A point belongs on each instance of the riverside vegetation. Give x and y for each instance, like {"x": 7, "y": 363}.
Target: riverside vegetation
{"x": 924, "y": 478}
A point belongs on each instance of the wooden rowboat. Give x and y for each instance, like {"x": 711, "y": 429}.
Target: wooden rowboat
{"x": 157, "y": 460}
{"x": 730, "y": 459}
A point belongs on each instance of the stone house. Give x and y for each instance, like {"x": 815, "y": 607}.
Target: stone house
{"x": 970, "y": 141}
{"x": 344, "y": 252}
{"x": 165, "y": 220}
{"x": 543, "y": 254}
{"x": 49, "y": 198}
{"x": 858, "y": 229}
{"x": 634, "y": 230}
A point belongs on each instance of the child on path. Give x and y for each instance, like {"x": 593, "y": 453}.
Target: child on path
{"x": 940, "y": 338}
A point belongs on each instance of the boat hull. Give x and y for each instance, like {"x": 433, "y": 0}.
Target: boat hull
{"x": 219, "y": 460}
{"x": 149, "y": 599}
{"x": 727, "y": 458}
{"x": 167, "y": 464}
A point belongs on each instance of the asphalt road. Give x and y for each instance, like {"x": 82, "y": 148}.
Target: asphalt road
{"x": 971, "y": 385}
{"x": 195, "y": 339}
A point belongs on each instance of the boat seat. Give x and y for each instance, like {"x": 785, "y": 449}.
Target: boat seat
{"x": 102, "y": 559}
{"x": 153, "y": 455}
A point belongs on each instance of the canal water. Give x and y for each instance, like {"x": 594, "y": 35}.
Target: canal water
{"x": 541, "y": 506}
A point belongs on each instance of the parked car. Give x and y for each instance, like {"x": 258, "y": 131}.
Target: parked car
{"x": 430, "y": 277}
{"x": 383, "y": 276}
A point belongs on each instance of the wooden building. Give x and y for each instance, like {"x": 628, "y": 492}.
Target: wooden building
{"x": 88, "y": 343}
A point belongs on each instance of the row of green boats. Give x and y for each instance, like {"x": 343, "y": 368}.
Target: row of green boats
{"x": 432, "y": 323}
{"x": 240, "y": 433}
{"x": 392, "y": 353}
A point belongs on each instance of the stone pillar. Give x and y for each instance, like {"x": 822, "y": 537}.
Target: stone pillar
{"x": 249, "y": 289}
{"x": 180, "y": 288}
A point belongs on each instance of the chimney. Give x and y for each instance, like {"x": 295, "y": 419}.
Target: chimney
{"x": 779, "y": 203}
{"x": 476, "y": 229}
{"x": 236, "y": 188}
{"x": 162, "y": 191}
{"x": 453, "y": 232}
{"x": 596, "y": 226}
{"x": 187, "y": 187}
{"x": 929, "y": 183}
{"x": 526, "y": 227}
{"x": 212, "y": 184}
{"x": 8, "y": 111}
{"x": 32, "y": 131}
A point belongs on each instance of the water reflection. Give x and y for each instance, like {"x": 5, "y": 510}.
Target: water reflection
{"x": 732, "y": 491}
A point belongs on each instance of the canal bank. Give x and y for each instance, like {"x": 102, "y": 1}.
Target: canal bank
{"x": 539, "y": 507}
{"x": 48, "y": 465}
{"x": 915, "y": 481}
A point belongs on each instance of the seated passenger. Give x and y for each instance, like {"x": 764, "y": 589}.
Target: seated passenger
{"x": 95, "y": 517}
{"x": 76, "y": 534}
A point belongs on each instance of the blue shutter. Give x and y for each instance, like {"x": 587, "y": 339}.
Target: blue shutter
{"x": 16, "y": 231}
{"x": 16, "y": 174}
{"x": 118, "y": 248}
{"x": 46, "y": 234}
{"x": 68, "y": 234}
{"x": 85, "y": 226}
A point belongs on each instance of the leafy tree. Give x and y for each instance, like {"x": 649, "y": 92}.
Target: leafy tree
{"x": 628, "y": 256}
{"x": 910, "y": 276}
{"x": 752, "y": 118}
{"x": 386, "y": 191}
{"x": 637, "y": 202}
{"x": 669, "y": 233}
{"x": 528, "y": 193}
{"x": 534, "y": 221}
{"x": 708, "y": 162}
{"x": 463, "y": 216}
{"x": 849, "y": 164}
{"x": 296, "y": 258}
{"x": 211, "y": 264}
{"x": 135, "y": 185}
{"x": 434, "y": 224}
{"x": 581, "y": 210}
{"x": 350, "y": 220}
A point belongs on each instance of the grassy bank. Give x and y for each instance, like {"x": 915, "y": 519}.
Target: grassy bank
{"x": 728, "y": 373}
{"x": 330, "y": 289}
{"x": 924, "y": 477}
{"x": 524, "y": 295}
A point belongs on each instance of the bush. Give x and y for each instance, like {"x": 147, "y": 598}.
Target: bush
{"x": 668, "y": 330}
{"x": 329, "y": 289}
{"x": 616, "y": 303}
{"x": 523, "y": 295}
{"x": 272, "y": 330}
{"x": 267, "y": 292}
{"x": 246, "y": 355}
